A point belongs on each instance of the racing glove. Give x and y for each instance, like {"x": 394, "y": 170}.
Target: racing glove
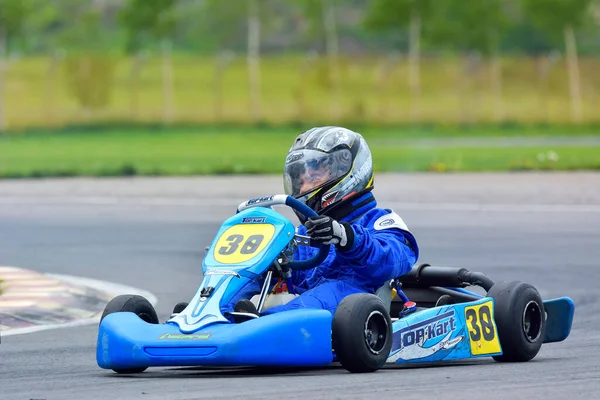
{"x": 327, "y": 230}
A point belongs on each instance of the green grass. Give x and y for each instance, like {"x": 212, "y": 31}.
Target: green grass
{"x": 189, "y": 151}
{"x": 40, "y": 93}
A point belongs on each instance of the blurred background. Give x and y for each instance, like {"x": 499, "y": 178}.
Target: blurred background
{"x": 284, "y": 65}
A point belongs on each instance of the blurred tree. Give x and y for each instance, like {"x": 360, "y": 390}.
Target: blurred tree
{"x": 525, "y": 38}
{"x": 148, "y": 23}
{"x": 42, "y": 25}
{"x": 254, "y": 25}
{"x": 214, "y": 25}
{"x": 89, "y": 70}
{"x": 563, "y": 17}
{"x": 14, "y": 15}
{"x": 322, "y": 22}
{"x": 75, "y": 26}
{"x": 151, "y": 24}
{"x": 78, "y": 35}
{"x": 13, "y": 18}
{"x": 476, "y": 26}
{"x": 227, "y": 23}
{"x": 398, "y": 14}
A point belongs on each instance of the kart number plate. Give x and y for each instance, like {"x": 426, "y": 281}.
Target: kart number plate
{"x": 483, "y": 333}
{"x": 240, "y": 243}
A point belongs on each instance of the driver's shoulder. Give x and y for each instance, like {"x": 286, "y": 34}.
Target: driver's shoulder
{"x": 374, "y": 214}
{"x": 379, "y": 219}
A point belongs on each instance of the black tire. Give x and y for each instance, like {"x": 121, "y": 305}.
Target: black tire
{"x": 521, "y": 320}
{"x": 138, "y": 305}
{"x": 362, "y": 333}
{"x": 179, "y": 307}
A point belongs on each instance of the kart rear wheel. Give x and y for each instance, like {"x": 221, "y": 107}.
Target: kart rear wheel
{"x": 362, "y": 333}
{"x": 521, "y": 320}
{"x": 138, "y": 305}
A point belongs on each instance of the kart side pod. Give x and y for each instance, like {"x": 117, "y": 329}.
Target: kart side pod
{"x": 558, "y": 312}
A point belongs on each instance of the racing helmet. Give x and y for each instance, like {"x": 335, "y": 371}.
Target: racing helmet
{"x": 327, "y": 165}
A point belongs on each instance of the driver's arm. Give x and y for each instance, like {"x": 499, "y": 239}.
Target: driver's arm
{"x": 379, "y": 255}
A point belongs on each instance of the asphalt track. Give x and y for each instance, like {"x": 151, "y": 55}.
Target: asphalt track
{"x": 150, "y": 233}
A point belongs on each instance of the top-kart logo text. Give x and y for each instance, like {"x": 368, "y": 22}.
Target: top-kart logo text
{"x": 259, "y": 200}
{"x": 193, "y": 336}
{"x": 254, "y": 220}
{"x": 426, "y": 338}
{"x": 439, "y": 325}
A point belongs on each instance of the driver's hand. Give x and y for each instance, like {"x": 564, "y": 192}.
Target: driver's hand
{"x": 327, "y": 230}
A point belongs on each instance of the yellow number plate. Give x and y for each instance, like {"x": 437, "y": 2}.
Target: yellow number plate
{"x": 483, "y": 333}
{"x": 240, "y": 243}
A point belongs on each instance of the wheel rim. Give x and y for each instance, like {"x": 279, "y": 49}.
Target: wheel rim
{"x": 376, "y": 327}
{"x": 532, "y": 321}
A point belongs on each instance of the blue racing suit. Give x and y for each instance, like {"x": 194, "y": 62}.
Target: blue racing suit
{"x": 383, "y": 249}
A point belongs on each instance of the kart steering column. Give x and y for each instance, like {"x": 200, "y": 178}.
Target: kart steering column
{"x": 282, "y": 199}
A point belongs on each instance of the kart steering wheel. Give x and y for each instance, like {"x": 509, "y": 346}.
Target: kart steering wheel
{"x": 297, "y": 205}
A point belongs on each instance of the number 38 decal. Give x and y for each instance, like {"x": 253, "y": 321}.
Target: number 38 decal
{"x": 240, "y": 243}
{"x": 483, "y": 334}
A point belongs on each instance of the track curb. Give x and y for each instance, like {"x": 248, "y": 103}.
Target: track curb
{"x": 32, "y": 301}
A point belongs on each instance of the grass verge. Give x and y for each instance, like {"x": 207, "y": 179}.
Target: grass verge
{"x": 191, "y": 151}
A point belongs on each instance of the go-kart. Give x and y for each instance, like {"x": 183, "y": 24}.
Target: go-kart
{"x": 426, "y": 315}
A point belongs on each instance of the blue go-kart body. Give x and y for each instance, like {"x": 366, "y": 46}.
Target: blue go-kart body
{"x": 245, "y": 248}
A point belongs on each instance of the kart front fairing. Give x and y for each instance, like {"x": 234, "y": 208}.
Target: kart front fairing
{"x": 244, "y": 248}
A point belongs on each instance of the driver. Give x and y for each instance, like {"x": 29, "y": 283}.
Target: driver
{"x": 330, "y": 169}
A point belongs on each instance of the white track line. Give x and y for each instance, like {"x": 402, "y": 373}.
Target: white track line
{"x": 113, "y": 288}
{"x": 232, "y": 202}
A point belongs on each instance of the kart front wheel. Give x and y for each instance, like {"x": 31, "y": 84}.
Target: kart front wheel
{"x": 362, "y": 333}
{"x": 179, "y": 307}
{"x": 521, "y": 320}
{"x": 138, "y": 305}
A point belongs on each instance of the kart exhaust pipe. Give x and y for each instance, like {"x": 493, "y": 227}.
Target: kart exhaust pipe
{"x": 427, "y": 275}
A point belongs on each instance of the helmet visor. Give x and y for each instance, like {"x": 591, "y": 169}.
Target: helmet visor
{"x": 307, "y": 170}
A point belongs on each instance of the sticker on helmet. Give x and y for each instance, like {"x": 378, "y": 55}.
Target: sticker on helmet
{"x": 328, "y": 198}
{"x": 391, "y": 220}
{"x": 294, "y": 157}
